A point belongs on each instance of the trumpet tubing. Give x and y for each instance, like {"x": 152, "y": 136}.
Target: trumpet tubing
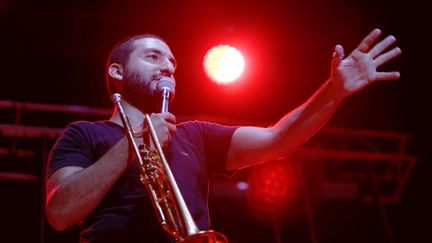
{"x": 156, "y": 176}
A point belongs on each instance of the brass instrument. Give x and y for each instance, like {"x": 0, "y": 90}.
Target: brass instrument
{"x": 159, "y": 181}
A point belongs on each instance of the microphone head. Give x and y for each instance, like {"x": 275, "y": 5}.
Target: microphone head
{"x": 166, "y": 84}
{"x": 166, "y": 88}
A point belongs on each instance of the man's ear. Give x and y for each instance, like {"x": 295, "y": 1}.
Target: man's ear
{"x": 115, "y": 71}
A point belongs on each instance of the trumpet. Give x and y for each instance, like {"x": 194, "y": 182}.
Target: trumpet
{"x": 156, "y": 176}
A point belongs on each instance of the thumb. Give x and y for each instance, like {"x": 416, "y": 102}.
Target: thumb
{"x": 338, "y": 54}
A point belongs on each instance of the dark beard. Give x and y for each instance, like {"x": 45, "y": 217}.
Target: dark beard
{"x": 139, "y": 94}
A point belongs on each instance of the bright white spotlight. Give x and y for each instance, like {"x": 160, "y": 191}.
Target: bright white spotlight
{"x": 223, "y": 64}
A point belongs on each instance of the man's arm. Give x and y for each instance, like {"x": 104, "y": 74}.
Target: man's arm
{"x": 251, "y": 145}
{"x": 74, "y": 192}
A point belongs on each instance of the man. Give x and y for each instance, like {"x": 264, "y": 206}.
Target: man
{"x": 93, "y": 180}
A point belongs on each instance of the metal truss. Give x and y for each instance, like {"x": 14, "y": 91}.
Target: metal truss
{"x": 352, "y": 158}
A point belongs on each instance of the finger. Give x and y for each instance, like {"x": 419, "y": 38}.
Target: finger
{"x": 368, "y": 41}
{"x": 381, "y": 46}
{"x": 172, "y": 129}
{"x": 153, "y": 115}
{"x": 169, "y": 117}
{"x": 338, "y": 52}
{"x": 338, "y": 55}
{"x": 381, "y": 59}
{"x": 387, "y": 75}
{"x": 167, "y": 141}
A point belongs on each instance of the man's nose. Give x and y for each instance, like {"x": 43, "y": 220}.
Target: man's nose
{"x": 168, "y": 67}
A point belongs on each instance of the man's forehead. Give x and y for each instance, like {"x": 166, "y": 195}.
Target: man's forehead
{"x": 151, "y": 43}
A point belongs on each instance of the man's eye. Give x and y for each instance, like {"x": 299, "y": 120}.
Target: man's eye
{"x": 153, "y": 57}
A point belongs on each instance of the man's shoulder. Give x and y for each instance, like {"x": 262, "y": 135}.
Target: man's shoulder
{"x": 204, "y": 127}
{"x": 91, "y": 127}
{"x": 194, "y": 125}
{"x": 198, "y": 123}
{"x": 91, "y": 124}
{"x": 189, "y": 123}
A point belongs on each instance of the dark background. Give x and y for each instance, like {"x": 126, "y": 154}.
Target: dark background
{"x": 54, "y": 52}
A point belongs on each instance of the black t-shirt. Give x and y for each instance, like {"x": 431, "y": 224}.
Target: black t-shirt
{"x": 198, "y": 150}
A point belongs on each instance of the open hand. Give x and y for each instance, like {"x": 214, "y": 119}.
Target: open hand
{"x": 359, "y": 69}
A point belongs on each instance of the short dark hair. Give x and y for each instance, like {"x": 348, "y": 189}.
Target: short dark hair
{"x": 120, "y": 54}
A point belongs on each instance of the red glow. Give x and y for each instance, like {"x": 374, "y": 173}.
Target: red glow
{"x": 271, "y": 187}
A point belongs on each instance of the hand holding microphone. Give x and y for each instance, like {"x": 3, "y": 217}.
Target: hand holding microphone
{"x": 164, "y": 122}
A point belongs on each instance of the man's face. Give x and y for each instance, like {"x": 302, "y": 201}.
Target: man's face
{"x": 150, "y": 60}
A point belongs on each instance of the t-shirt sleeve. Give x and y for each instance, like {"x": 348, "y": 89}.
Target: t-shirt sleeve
{"x": 217, "y": 142}
{"x": 71, "y": 149}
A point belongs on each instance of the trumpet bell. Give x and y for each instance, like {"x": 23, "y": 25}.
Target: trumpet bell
{"x": 208, "y": 236}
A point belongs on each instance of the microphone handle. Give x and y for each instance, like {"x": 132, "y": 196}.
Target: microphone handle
{"x": 165, "y": 99}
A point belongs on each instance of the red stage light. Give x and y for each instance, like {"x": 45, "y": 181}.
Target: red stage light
{"x": 272, "y": 186}
{"x": 223, "y": 64}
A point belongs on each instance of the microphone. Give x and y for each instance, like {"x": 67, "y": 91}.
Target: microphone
{"x": 166, "y": 87}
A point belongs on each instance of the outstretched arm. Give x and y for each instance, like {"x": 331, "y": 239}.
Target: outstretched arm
{"x": 251, "y": 145}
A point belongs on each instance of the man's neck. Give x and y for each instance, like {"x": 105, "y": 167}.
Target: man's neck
{"x": 135, "y": 116}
